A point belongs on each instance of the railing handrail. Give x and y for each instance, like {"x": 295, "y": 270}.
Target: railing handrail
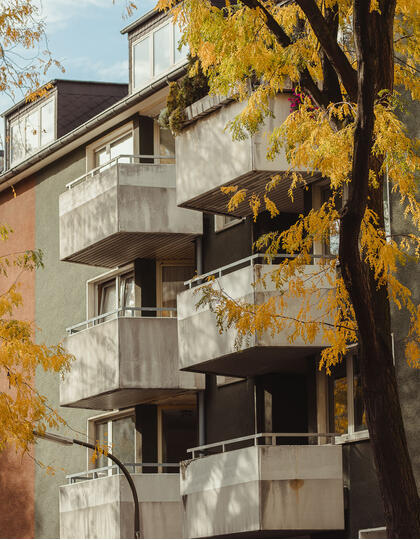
{"x": 84, "y": 475}
{"x": 117, "y": 312}
{"x": 115, "y": 159}
{"x": 255, "y": 437}
{"x": 249, "y": 259}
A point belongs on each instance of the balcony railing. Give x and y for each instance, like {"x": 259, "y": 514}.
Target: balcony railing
{"x": 127, "y": 311}
{"x": 269, "y": 439}
{"x": 123, "y": 210}
{"x": 122, "y": 158}
{"x": 134, "y": 468}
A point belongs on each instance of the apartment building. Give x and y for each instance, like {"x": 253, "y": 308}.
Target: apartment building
{"x": 131, "y": 221}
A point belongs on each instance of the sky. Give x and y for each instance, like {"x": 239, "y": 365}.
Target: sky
{"x": 84, "y": 36}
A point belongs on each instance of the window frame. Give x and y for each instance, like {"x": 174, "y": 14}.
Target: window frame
{"x": 153, "y": 76}
{"x": 22, "y": 117}
{"x": 107, "y": 140}
{"x": 93, "y": 287}
{"x": 220, "y": 225}
{"x": 109, "y": 417}
{"x": 159, "y": 268}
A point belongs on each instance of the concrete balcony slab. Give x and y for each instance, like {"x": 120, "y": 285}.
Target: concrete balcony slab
{"x": 124, "y": 362}
{"x": 207, "y": 158}
{"x": 104, "y": 508}
{"x": 126, "y": 211}
{"x": 263, "y": 490}
{"x": 202, "y": 348}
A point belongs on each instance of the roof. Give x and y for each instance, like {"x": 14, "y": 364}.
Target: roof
{"x": 54, "y": 82}
{"x": 143, "y": 19}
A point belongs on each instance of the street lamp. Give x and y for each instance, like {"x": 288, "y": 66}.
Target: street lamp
{"x": 66, "y": 441}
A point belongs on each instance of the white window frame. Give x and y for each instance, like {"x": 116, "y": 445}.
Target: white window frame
{"x": 93, "y": 286}
{"x": 221, "y": 225}
{"x": 107, "y": 140}
{"x": 153, "y": 76}
{"x": 109, "y": 417}
{"x": 21, "y": 117}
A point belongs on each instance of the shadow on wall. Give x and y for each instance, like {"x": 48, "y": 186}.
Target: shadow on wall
{"x": 16, "y": 495}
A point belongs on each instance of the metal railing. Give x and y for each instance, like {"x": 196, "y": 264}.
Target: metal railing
{"x": 137, "y": 312}
{"x": 102, "y": 472}
{"x": 128, "y": 158}
{"x": 218, "y": 272}
{"x": 271, "y": 437}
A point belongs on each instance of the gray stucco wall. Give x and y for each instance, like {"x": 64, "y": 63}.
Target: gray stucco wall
{"x": 60, "y": 302}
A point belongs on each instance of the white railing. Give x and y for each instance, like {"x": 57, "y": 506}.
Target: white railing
{"x": 228, "y": 268}
{"x": 123, "y": 158}
{"x": 254, "y": 440}
{"x": 127, "y": 311}
{"x": 101, "y": 472}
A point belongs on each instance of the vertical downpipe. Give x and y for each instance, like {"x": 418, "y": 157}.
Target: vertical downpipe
{"x": 201, "y": 412}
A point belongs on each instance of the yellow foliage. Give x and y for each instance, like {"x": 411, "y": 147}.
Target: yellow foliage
{"x": 22, "y": 408}
{"x": 243, "y": 59}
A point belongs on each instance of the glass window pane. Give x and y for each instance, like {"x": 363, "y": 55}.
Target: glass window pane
{"x": 162, "y": 50}
{"x": 179, "y": 54}
{"x": 108, "y": 298}
{"x": 173, "y": 278}
{"x": 141, "y": 62}
{"x": 47, "y": 123}
{"x": 331, "y": 246}
{"x": 123, "y": 439}
{"x": 17, "y": 141}
{"x": 101, "y": 439}
{"x": 359, "y": 408}
{"x": 340, "y": 405}
{"x": 127, "y": 293}
{"x": 122, "y": 146}
{"x": 101, "y": 157}
{"x": 32, "y": 132}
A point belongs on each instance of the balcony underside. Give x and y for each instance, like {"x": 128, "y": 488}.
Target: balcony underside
{"x": 215, "y": 201}
{"x": 129, "y": 397}
{"x": 258, "y": 361}
{"x": 122, "y": 247}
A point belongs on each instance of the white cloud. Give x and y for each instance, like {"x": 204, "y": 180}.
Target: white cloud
{"x": 59, "y": 13}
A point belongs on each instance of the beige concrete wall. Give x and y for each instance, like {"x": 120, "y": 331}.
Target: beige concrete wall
{"x": 126, "y": 198}
{"x": 104, "y": 508}
{"x": 199, "y": 339}
{"x": 282, "y": 488}
{"x": 207, "y": 157}
{"x": 121, "y": 355}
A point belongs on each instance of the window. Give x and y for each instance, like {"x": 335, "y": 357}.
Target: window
{"x": 118, "y": 432}
{"x": 123, "y": 145}
{"x": 156, "y": 53}
{"x": 170, "y": 282}
{"x": 224, "y": 222}
{"x": 347, "y": 414}
{"x": 332, "y": 245}
{"x": 31, "y": 131}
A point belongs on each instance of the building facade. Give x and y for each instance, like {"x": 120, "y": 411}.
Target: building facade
{"x": 219, "y": 442}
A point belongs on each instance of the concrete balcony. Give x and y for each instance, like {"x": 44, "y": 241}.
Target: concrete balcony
{"x": 263, "y": 491}
{"x": 124, "y": 362}
{"x": 202, "y": 348}
{"x": 104, "y": 508}
{"x": 207, "y": 159}
{"x": 122, "y": 211}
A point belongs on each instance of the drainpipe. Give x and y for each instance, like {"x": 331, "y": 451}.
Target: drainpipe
{"x": 201, "y": 401}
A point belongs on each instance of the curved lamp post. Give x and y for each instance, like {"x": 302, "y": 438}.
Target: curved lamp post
{"x": 66, "y": 441}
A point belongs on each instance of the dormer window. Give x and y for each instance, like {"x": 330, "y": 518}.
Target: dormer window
{"x": 156, "y": 54}
{"x": 32, "y": 130}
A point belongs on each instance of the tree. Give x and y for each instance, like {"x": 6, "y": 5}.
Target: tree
{"x": 344, "y": 57}
{"x": 22, "y": 408}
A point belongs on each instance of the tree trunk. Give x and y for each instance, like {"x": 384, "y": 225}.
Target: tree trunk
{"x": 373, "y": 33}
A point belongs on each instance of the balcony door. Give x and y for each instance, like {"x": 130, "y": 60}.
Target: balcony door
{"x": 170, "y": 282}
{"x": 177, "y": 431}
